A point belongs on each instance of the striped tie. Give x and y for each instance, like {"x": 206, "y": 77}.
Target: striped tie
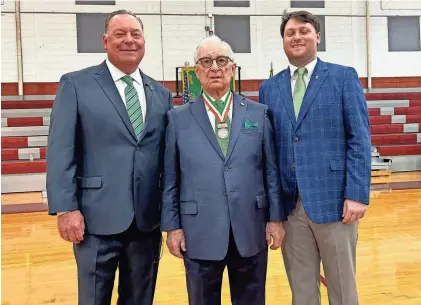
{"x": 133, "y": 106}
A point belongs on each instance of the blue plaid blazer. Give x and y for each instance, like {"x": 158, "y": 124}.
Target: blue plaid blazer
{"x": 325, "y": 154}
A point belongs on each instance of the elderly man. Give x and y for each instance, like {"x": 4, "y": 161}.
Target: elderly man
{"x": 323, "y": 144}
{"x": 105, "y": 159}
{"x": 221, "y": 200}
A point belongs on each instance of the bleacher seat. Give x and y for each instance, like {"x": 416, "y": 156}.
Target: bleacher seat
{"x": 395, "y": 125}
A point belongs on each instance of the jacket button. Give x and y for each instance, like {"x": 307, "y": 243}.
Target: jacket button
{"x": 137, "y": 148}
{"x": 296, "y": 140}
{"x": 226, "y": 168}
{"x": 225, "y": 193}
{"x": 293, "y": 165}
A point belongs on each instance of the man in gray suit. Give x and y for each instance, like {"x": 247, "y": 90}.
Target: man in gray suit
{"x": 105, "y": 161}
{"x": 221, "y": 201}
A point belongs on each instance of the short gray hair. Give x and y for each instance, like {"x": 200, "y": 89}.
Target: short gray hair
{"x": 213, "y": 39}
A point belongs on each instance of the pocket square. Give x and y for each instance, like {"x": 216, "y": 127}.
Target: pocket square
{"x": 249, "y": 124}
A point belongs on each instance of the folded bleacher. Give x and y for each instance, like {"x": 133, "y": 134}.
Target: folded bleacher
{"x": 395, "y": 125}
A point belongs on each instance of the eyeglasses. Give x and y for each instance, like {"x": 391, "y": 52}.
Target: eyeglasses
{"x": 207, "y": 62}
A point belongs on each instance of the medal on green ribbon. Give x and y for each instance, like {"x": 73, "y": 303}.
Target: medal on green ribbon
{"x": 219, "y": 113}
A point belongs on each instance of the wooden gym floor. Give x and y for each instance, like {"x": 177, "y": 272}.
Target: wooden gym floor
{"x": 38, "y": 267}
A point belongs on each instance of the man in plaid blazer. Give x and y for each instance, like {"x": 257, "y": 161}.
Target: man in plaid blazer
{"x": 320, "y": 118}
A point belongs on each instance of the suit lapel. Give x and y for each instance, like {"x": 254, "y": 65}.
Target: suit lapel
{"x": 318, "y": 77}
{"x": 104, "y": 79}
{"x": 284, "y": 83}
{"x": 149, "y": 95}
{"x": 238, "y": 113}
{"x": 198, "y": 110}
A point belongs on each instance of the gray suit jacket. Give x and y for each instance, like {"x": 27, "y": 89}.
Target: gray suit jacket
{"x": 94, "y": 161}
{"x": 206, "y": 194}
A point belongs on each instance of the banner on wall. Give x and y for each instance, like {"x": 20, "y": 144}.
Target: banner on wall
{"x": 191, "y": 84}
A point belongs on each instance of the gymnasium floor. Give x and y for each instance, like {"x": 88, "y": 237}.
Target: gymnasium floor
{"x": 38, "y": 267}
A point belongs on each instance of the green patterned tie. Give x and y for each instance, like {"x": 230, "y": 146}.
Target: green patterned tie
{"x": 223, "y": 142}
{"x": 133, "y": 106}
{"x": 299, "y": 90}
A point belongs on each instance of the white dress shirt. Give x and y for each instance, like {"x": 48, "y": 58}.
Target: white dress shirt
{"x": 310, "y": 68}
{"x": 212, "y": 116}
{"x": 117, "y": 74}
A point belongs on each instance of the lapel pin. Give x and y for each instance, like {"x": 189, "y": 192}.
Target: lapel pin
{"x": 242, "y": 103}
{"x": 317, "y": 77}
{"x": 151, "y": 87}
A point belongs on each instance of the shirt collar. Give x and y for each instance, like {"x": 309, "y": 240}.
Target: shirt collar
{"x": 310, "y": 68}
{"x": 117, "y": 74}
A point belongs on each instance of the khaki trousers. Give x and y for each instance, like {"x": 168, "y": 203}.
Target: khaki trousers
{"x": 305, "y": 244}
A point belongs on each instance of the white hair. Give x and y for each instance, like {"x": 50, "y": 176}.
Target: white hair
{"x": 210, "y": 40}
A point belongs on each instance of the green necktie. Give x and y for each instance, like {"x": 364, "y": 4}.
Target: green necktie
{"x": 223, "y": 142}
{"x": 299, "y": 90}
{"x": 133, "y": 106}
